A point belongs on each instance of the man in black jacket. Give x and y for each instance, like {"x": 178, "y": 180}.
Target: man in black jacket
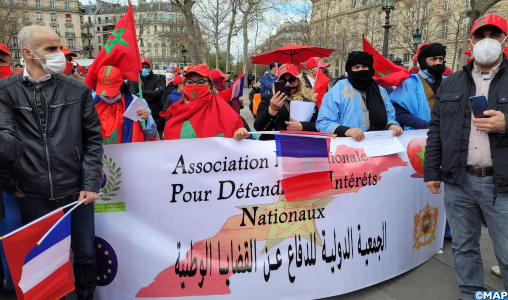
{"x": 153, "y": 87}
{"x": 10, "y": 149}
{"x": 470, "y": 154}
{"x": 62, "y": 145}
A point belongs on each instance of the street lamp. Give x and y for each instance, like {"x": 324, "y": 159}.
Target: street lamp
{"x": 184, "y": 55}
{"x": 388, "y": 5}
{"x": 417, "y": 36}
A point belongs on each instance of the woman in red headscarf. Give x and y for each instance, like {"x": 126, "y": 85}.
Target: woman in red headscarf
{"x": 201, "y": 113}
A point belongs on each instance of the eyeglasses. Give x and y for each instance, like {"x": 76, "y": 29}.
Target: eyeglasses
{"x": 146, "y": 67}
{"x": 199, "y": 82}
{"x": 291, "y": 80}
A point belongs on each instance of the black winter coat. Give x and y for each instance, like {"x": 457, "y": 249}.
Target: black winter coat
{"x": 152, "y": 87}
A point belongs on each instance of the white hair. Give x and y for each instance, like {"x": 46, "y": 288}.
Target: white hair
{"x": 25, "y": 37}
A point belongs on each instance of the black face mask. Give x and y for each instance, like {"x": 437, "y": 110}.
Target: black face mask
{"x": 436, "y": 70}
{"x": 361, "y": 80}
{"x": 290, "y": 90}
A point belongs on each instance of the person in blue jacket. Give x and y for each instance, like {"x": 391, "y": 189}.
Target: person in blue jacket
{"x": 357, "y": 104}
{"x": 414, "y": 98}
{"x": 269, "y": 78}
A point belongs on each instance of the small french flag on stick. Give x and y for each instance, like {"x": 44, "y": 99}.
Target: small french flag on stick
{"x": 39, "y": 257}
{"x": 303, "y": 163}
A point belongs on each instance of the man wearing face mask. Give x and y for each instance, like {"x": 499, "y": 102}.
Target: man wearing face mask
{"x": 414, "y": 98}
{"x": 5, "y": 62}
{"x": 153, "y": 88}
{"x": 62, "y": 145}
{"x": 471, "y": 154}
{"x": 169, "y": 87}
{"x": 358, "y": 103}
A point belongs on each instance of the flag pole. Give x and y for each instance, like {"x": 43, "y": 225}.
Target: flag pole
{"x": 43, "y": 217}
{"x": 58, "y": 222}
{"x": 141, "y": 97}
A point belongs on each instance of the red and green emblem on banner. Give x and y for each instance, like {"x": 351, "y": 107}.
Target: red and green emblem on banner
{"x": 416, "y": 154}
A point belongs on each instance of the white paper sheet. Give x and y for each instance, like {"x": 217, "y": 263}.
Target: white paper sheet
{"x": 301, "y": 111}
{"x": 131, "y": 111}
{"x": 380, "y": 143}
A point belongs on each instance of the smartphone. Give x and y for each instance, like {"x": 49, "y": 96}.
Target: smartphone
{"x": 279, "y": 86}
{"x": 479, "y": 105}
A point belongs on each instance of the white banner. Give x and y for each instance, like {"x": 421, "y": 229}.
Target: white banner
{"x": 207, "y": 218}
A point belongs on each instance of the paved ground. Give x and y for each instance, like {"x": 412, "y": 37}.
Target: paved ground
{"x": 433, "y": 280}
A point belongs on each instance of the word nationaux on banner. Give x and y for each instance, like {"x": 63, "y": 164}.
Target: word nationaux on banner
{"x": 208, "y": 219}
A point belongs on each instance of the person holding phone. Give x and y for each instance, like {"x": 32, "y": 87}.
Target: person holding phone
{"x": 273, "y": 111}
{"x": 470, "y": 154}
{"x": 358, "y": 103}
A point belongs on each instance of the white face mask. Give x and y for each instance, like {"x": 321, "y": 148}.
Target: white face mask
{"x": 170, "y": 76}
{"x": 55, "y": 62}
{"x": 112, "y": 100}
{"x": 487, "y": 51}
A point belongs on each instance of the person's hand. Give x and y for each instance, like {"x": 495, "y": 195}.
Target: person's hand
{"x": 397, "y": 130}
{"x": 241, "y": 133}
{"x": 19, "y": 195}
{"x": 496, "y": 122}
{"x": 143, "y": 113}
{"x": 89, "y": 196}
{"x": 355, "y": 133}
{"x": 434, "y": 186}
{"x": 294, "y": 125}
{"x": 277, "y": 102}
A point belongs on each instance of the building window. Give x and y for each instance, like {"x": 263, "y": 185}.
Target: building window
{"x": 161, "y": 17}
{"x": 465, "y": 22}
{"x": 170, "y": 17}
{"x": 180, "y": 18}
{"x": 406, "y": 57}
{"x": 67, "y": 6}
{"x": 425, "y": 31}
{"x": 410, "y": 12}
{"x": 15, "y": 42}
{"x": 468, "y": 3}
{"x": 446, "y": 5}
{"x": 11, "y": 2}
{"x": 68, "y": 18}
{"x": 52, "y": 4}
{"x": 12, "y": 15}
{"x": 70, "y": 44}
{"x": 141, "y": 43}
{"x": 38, "y": 4}
{"x": 391, "y": 57}
{"x": 394, "y": 15}
{"x": 53, "y": 17}
{"x": 25, "y": 3}
{"x": 25, "y": 15}
{"x": 426, "y": 11}
{"x": 55, "y": 29}
{"x": 444, "y": 28}
{"x": 16, "y": 55}
{"x": 99, "y": 21}
{"x": 39, "y": 16}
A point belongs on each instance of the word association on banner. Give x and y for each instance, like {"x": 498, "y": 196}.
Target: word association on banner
{"x": 335, "y": 253}
{"x": 228, "y": 188}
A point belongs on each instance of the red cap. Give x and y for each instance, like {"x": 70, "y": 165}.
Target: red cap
{"x": 178, "y": 71}
{"x": 216, "y": 73}
{"x": 4, "y": 49}
{"x": 109, "y": 80}
{"x": 415, "y": 57}
{"x": 177, "y": 80}
{"x": 146, "y": 61}
{"x": 287, "y": 68}
{"x": 202, "y": 70}
{"x": 66, "y": 51}
{"x": 468, "y": 52}
{"x": 490, "y": 19}
{"x": 313, "y": 62}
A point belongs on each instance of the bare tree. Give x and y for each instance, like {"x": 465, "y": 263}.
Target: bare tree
{"x": 459, "y": 23}
{"x": 186, "y": 8}
{"x": 11, "y": 19}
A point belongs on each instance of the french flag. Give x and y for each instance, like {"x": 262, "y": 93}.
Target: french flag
{"x": 303, "y": 163}
{"x": 41, "y": 271}
{"x": 235, "y": 91}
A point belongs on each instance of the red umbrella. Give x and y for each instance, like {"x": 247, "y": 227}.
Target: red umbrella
{"x": 294, "y": 54}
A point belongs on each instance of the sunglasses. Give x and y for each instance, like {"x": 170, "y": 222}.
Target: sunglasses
{"x": 291, "y": 79}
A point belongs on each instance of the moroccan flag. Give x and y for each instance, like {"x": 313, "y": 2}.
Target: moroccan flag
{"x": 120, "y": 50}
{"x": 303, "y": 163}
{"x": 387, "y": 73}
{"x": 320, "y": 86}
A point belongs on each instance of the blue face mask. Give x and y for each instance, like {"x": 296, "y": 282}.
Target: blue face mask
{"x": 145, "y": 72}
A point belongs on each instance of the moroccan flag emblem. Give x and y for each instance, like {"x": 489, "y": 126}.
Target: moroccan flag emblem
{"x": 416, "y": 154}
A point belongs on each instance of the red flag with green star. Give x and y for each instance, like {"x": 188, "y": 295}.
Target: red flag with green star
{"x": 387, "y": 73}
{"x": 120, "y": 50}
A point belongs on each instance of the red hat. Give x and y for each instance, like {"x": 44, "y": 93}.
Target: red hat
{"x": 415, "y": 57}
{"x": 216, "y": 73}
{"x": 66, "y": 51}
{"x": 313, "y": 62}
{"x": 202, "y": 70}
{"x": 490, "y": 19}
{"x": 177, "y": 80}
{"x": 177, "y": 70}
{"x": 4, "y": 49}
{"x": 468, "y": 52}
{"x": 109, "y": 80}
{"x": 287, "y": 68}
{"x": 146, "y": 61}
